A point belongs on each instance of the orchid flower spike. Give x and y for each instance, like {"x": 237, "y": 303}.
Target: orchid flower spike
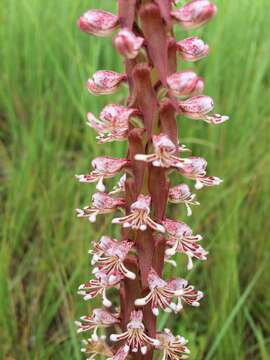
{"x": 158, "y": 91}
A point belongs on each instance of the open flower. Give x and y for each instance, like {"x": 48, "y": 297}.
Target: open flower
{"x": 112, "y": 124}
{"x": 99, "y": 286}
{"x": 184, "y": 293}
{"x": 196, "y": 170}
{"x": 102, "y": 203}
{"x": 173, "y": 347}
{"x": 185, "y": 83}
{"x": 194, "y": 13}
{"x": 181, "y": 194}
{"x": 163, "y": 292}
{"x": 104, "y": 82}
{"x": 105, "y": 167}
{"x": 164, "y": 153}
{"x": 135, "y": 338}
{"x": 109, "y": 255}
{"x": 159, "y": 296}
{"x": 98, "y": 22}
{"x": 99, "y": 319}
{"x": 139, "y": 218}
{"x": 127, "y": 43}
{"x": 198, "y": 107}
{"x": 180, "y": 239}
{"x": 192, "y": 49}
{"x": 96, "y": 348}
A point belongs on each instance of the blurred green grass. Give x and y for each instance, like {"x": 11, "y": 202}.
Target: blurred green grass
{"x": 45, "y": 62}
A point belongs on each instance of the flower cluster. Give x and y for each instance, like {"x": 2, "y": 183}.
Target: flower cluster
{"x": 142, "y": 33}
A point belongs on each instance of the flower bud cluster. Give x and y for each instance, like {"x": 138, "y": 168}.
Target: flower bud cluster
{"x": 142, "y": 33}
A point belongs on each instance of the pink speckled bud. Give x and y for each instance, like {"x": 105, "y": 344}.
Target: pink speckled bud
{"x": 185, "y": 83}
{"x": 195, "y": 13}
{"x": 98, "y": 22}
{"x": 192, "y": 49}
{"x": 105, "y": 82}
{"x": 197, "y": 106}
{"x": 127, "y": 43}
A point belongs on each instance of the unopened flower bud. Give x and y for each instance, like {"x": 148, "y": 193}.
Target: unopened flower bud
{"x": 185, "y": 83}
{"x": 127, "y": 43}
{"x": 98, "y": 22}
{"x": 192, "y": 49}
{"x": 105, "y": 82}
{"x": 195, "y": 13}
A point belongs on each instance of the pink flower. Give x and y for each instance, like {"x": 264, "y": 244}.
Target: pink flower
{"x": 198, "y": 107}
{"x": 163, "y": 292}
{"x": 127, "y": 43}
{"x": 164, "y": 153}
{"x": 113, "y": 123}
{"x": 102, "y": 203}
{"x": 181, "y": 239}
{"x": 185, "y": 83}
{"x": 104, "y": 82}
{"x": 194, "y": 13}
{"x": 173, "y": 347}
{"x": 105, "y": 167}
{"x": 99, "y": 286}
{"x": 196, "y": 170}
{"x": 135, "y": 338}
{"x": 181, "y": 194}
{"x": 139, "y": 218}
{"x": 184, "y": 293}
{"x": 192, "y": 49}
{"x": 98, "y": 22}
{"x": 109, "y": 255}
{"x": 99, "y": 319}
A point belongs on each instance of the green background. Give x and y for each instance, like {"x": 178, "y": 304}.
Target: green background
{"x": 45, "y": 61}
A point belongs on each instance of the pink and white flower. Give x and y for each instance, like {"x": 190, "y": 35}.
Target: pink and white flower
{"x": 196, "y": 170}
{"x": 139, "y": 218}
{"x": 181, "y": 194}
{"x": 105, "y": 167}
{"x": 102, "y": 203}
{"x": 185, "y": 293}
{"x": 104, "y": 82}
{"x": 113, "y": 123}
{"x": 198, "y": 107}
{"x": 173, "y": 347}
{"x": 164, "y": 153}
{"x": 192, "y": 49}
{"x": 185, "y": 83}
{"x": 98, "y": 22}
{"x": 135, "y": 337}
{"x": 99, "y": 319}
{"x": 180, "y": 239}
{"x": 99, "y": 286}
{"x": 162, "y": 294}
{"x": 194, "y": 13}
{"x": 127, "y": 43}
{"x": 109, "y": 256}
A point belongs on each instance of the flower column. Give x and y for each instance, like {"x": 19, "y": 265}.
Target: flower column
{"x": 157, "y": 93}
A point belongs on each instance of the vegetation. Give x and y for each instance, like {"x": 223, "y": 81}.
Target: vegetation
{"x": 45, "y": 61}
